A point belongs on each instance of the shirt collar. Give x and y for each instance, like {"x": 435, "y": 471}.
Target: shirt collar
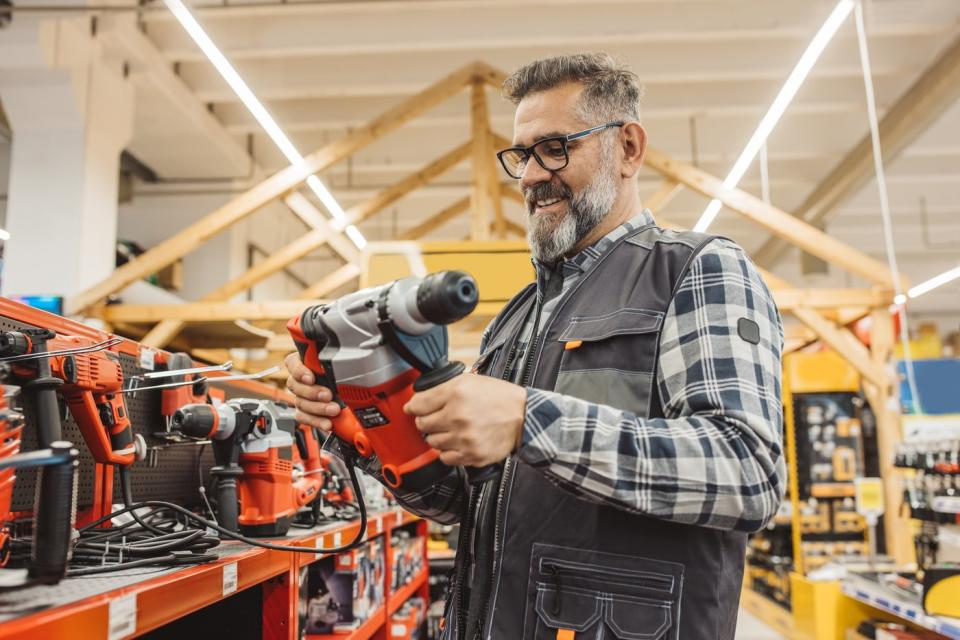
{"x": 583, "y": 260}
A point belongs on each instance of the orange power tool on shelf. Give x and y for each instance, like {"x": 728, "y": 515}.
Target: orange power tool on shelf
{"x": 374, "y": 348}
{"x": 258, "y": 489}
{"x": 87, "y": 375}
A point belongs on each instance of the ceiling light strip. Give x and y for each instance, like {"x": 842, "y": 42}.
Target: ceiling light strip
{"x": 779, "y": 106}
{"x": 261, "y": 114}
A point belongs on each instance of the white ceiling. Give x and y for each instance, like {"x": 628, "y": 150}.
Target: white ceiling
{"x": 711, "y": 68}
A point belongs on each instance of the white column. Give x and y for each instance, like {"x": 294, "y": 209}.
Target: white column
{"x": 71, "y": 115}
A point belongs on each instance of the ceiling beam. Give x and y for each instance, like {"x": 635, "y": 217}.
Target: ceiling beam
{"x": 149, "y": 67}
{"x": 771, "y": 218}
{"x": 937, "y": 88}
{"x": 273, "y": 187}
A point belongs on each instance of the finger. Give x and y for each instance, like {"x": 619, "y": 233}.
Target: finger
{"x": 318, "y": 408}
{"x": 443, "y": 441}
{"x": 429, "y": 401}
{"x": 452, "y": 458}
{"x": 433, "y": 423}
{"x": 297, "y": 369}
{"x": 323, "y": 424}
{"x": 309, "y": 391}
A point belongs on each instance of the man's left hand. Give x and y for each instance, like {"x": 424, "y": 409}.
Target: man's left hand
{"x": 472, "y": 420}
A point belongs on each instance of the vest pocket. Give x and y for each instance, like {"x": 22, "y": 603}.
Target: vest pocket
{"x": 601, "y": 595}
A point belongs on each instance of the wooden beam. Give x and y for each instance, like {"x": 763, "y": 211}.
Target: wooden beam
{"x": 333, "y": 280}
{"x": 490, "y": 75}
{"x": 896, "y": 524}
{"x": 313, "y": 240}
{"x": 486, "y": 189}
{"x": 844, "y": 343}
{"x": 304, "y": 209}
{"x": 272, "y": 188}
{"x": 513, "y": 193}
{"x": 515, "y": 228}
{"x": 360, "y": 212}
{"x": 775, "y": 220}
{"x": 937, "y": 88}
{"x": 206, "y": 311}
{"x": 791, "y": 298}
{"x": 436, "y": 220}
{"x": 662, "y": 196}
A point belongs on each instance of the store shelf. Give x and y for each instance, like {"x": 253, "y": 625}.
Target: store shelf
{"x": 880, "y": 598}
{"x": 406, "y": 592}
{"x": 363, "y": 632}
{"x": 80, "y": 608}
{"x": 772, "y": 614}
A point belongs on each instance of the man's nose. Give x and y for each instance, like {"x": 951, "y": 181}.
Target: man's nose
{"x": 533, "y": 174}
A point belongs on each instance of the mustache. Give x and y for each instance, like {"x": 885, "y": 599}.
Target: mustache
{"x": 545, "y": 191}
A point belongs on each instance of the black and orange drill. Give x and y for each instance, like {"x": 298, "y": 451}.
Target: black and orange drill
{"x": 90, "y": 383}
{"x": 374, "y": 349}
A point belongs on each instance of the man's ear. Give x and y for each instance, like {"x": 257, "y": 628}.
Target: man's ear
{"x": 634, "y": 141}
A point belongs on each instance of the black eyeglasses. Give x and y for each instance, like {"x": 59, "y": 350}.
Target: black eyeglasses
{"x": 551, "y": 153}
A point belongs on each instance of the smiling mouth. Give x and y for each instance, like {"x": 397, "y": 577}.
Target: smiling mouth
{"x": 546, "y": 205}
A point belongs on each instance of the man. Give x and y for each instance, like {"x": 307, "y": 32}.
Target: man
{"x": 632, "y": 394}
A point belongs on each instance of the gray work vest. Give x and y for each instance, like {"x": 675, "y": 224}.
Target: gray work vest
{"x": 562, "y": 562}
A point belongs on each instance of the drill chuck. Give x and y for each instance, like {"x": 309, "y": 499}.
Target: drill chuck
{"x": 196, "y": 420}
{"x": 13, "y": 343}
{"x": 447, "y": 296}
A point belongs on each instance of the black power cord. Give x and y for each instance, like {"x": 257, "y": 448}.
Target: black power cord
{"x": 132, "y": 506}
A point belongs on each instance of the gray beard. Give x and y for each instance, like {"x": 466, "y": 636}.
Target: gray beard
{"x": 585, "y": 210}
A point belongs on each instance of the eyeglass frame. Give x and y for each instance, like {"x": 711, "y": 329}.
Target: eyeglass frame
{"x": 570, "y": 137}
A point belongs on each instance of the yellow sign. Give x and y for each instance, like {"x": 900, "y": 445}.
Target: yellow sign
{"x": 869, "y": 496}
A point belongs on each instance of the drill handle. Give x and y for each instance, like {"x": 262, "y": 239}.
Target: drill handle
{"x": 102, "y": 424}
{"x": 228, "y": 505}
{"x": 55, "y": 512}
{"x": 449, "y": 371}
{"x": 309, "y": 350}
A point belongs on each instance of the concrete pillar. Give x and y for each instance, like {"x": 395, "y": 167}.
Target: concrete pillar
{"x": 71, "y": 114}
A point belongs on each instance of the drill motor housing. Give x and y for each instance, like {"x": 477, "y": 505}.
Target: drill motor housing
{"x": 374, "y": 349}
{"x": 258, "y": 487}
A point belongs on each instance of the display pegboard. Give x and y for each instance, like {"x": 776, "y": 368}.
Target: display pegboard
{"x": 170, "y": 473}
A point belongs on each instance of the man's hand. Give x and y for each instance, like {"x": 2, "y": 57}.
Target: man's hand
{"x": 313, "y": 402}
{"x": 472, "y": 420}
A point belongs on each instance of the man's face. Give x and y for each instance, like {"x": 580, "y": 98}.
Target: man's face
{"x": 564, "y": 206}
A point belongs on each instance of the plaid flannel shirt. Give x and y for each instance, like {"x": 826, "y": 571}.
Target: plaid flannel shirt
{"x": 716, "y": 458}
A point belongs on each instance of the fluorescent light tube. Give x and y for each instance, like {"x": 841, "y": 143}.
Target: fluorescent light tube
{"x": 779, "y": 106}
{"x": 259, "y": 112}
{"x": 937, "y": 281}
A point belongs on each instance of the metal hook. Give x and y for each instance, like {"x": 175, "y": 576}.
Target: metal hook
{"x": 226, "y": 366}
{"x": 100, "y": 346}
{"x": 245, "y": 376}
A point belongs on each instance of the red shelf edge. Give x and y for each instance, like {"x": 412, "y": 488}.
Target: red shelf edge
{"x": 150, "y": 618}
{"x": 364, "y": 631}
{"x": 405, "y": 592}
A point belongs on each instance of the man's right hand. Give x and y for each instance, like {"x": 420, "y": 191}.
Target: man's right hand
{"x": 313, "y": 401}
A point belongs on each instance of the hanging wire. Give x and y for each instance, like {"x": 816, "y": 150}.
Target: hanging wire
{"x": 881, "y": 176}
{"x": 764, "y": 174}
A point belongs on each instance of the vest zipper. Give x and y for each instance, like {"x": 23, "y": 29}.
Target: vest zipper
{"x": 472, "y": 505}
{"x": 462, "y": 542}
{"x": 505, "y": 475}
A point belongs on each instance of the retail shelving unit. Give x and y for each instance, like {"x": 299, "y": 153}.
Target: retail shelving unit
{"x": 133, "y": 602}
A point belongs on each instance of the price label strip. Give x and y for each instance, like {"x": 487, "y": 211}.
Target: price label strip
{"x": 122, "y": 617}
{"x": 229, "y": 578}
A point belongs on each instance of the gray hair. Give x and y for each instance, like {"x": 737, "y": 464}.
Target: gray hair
{"x": 610, "y": 90}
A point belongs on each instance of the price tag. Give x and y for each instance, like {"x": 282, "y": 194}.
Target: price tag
{"x": 148, "y": 358}
{"x": 229, "y": 578}
{"x": 399, "y": 518}
{"x": 869, "y": 498}
{"x": 336, "y": 538}
{"x": 122, "y": 617}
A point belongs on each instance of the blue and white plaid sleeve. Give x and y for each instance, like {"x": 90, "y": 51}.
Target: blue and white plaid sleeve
{"x": 716, "y": 459}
